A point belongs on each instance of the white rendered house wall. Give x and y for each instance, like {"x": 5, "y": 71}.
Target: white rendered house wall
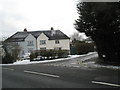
{"x": 50, "y": 44}
{"x": 29, "y": 44}
{"x": 42, "y": 37}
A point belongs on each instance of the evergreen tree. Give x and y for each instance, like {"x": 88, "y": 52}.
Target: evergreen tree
{"x": 101, "y": 21}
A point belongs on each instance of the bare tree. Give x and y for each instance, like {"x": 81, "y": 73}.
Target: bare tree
{"x": 77, "y": 36}
{"x": 12, "y": 48}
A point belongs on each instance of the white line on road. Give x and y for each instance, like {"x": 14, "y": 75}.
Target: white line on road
{"x": 104, "y": 83}
{"x": 41, "y": 74}
{"x": 73, "y": 63}
{"x": 76, "y": 66}
{"x": 9, "y": 69}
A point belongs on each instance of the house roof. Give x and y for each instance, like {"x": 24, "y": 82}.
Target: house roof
{"x": 20, "y": 36}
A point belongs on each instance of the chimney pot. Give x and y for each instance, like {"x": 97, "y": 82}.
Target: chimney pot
{"x": 52, "y": 28}
{"x": 25, "y": 30}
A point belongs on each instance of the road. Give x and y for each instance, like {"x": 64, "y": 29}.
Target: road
{"x": 50, "y": 76}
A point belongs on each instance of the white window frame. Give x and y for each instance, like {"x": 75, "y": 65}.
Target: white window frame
{"x": 30, "y": 43}
{"x": 43, "y": 48}
{"x": 30, "y": 50}
{"x": 58, "y": 48}
{"x": 42, "y": 42}
{"x": 57, "y": 42}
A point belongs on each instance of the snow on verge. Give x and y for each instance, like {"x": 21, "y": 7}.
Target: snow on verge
{"x": 25, "y": 62}
{"x": 95, "y": 65}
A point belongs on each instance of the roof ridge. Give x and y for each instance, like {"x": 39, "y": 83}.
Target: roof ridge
{"x": 22, "y": 35}
{"x": 40, "y": 30}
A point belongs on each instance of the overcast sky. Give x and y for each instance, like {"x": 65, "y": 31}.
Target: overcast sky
{"x": 15, "y": 15}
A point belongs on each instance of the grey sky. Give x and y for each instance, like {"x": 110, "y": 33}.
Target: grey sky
{"x": 15, "y": 15}
{"x": 100, "y": 0}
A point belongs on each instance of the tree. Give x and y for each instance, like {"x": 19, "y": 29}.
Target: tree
{"x": 12, "y": 51}
{"x": 7, "y": 58}
{"x": 76, "y": 36}
{"x": 101, "y": 21}
{"x": 15, "y": 50}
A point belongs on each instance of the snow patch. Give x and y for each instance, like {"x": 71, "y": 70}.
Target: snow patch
{"x": 94, "y": 65}
{"x": 111, "y": 67}
{"x": 24, "y": 62}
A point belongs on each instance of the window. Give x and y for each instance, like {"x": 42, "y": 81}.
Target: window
{"x": 57, "y": 42}
{"x": 44, "y": 48}
{"x": 16, "y": 43}
{"x": 42, "y": 42}
{"x": 57, "y": 48}
{"x": 30, "y": 43}
{"x": 30, "y": 50}
{"x": 23, "y": 52}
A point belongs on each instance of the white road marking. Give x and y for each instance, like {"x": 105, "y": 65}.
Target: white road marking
{"x": 104, "y": 83}
{"x": 9, "y": 69}
{"x": 75, "y": 66}
{"x": 41, "y": 74}
{"x": 73, "y": 63}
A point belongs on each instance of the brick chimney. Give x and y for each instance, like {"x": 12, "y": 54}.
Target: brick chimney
{"x": 52, "y": 28}
{"x": 25, "y": 30}
{"x": 52, "y": 31}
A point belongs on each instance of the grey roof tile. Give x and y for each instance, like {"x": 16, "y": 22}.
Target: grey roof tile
{"x": 20, "y": 36}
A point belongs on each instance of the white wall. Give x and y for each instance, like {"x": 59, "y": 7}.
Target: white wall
{"x": 63, "y": 43}
{"x": 24, "y": 45}
{"x": 42, "y": 36}
{"x": 50, "y": 44}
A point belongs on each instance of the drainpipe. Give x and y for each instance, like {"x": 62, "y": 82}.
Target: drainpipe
{"x": 36, "y": 44}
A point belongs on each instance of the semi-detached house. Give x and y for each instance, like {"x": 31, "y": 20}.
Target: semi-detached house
{"x": 40, "y": 40}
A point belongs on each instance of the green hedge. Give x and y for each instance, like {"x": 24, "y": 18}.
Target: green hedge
{"x": 84, "y": 48}
{"x": 50, "y": 54}
{"x": 81, "y": 48}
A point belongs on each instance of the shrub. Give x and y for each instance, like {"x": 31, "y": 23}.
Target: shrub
{"x": 49, "y": 53}
{"x": 81, "y": 48}
{"x": 32, "y": 56}
{"x": 84, "y": 48}
{"x": 7, "y": 59}
{"x": 62, "y": 53}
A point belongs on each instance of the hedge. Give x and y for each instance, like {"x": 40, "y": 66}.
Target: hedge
{"x": 49, "y": 54}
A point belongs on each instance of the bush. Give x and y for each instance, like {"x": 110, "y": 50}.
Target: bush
{"x": 79, "y": 48}
{"x": 50, "y": 54}
{"x": 33, "y": 55}
{"x": 7, "y": 59}
{"x": 62, "y": 53}
{"x": 84, "y": 48}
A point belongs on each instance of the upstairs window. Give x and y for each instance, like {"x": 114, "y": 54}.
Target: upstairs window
{"x": 42, "y": 42}
{"x": 30, "y": 43}
{"x": 57, "y": 41}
